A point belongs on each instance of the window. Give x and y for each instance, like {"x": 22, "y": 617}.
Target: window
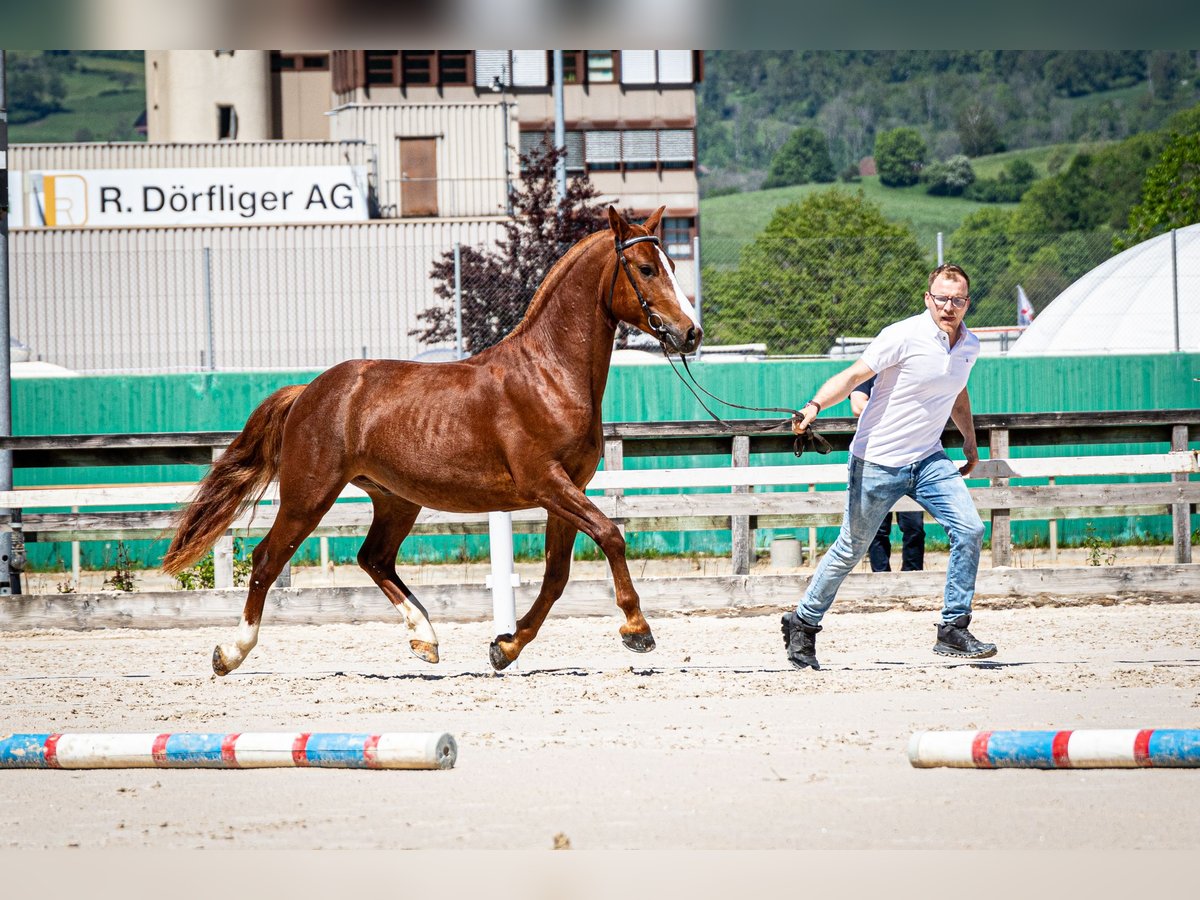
{"x": 381, "y": 66}
{"x": 226, "y": 123}
{"x": 675, "y": 67}
{"x": 637, "y": 67}
{"x": 639, "y": 149}
{"x": 573, "y": 67}
{"x": 574, "y": 143}
{"x": 299, "y": 62}
{"x": 677, "y": 148}
{"x": 454, "y": 67}
{"x": 656, "y": 67}
{"x": 417, "y": 66}
{"x": 677, "y": 232}
{"x": 603, "y": 150}
{"x": 600, "y": 66}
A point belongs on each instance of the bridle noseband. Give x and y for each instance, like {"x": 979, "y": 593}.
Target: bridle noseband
{"x": 659, "y": 327}
{"x": 653, "y": 319}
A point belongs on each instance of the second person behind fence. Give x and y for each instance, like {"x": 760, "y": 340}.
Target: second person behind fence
{"x": 911, "y": 522}
{"x": 922, "y": 364}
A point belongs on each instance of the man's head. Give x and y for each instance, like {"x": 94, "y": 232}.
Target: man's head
{"x": 948, "y": 287}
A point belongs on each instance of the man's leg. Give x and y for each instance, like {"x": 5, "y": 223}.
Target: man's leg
{"x": 880, "y": 550}
{"x": 942, "y": 491}
{"x": 871, "y": 491}
{"x": 912, "y": 529}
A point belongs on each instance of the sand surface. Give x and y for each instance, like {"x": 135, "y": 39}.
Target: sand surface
{"x": 710, "y": 742}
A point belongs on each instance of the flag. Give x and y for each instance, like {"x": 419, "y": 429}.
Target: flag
{"x": 1024, "y": 308}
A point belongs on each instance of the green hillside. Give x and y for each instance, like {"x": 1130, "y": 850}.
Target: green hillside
{"x": 60, "y": 96}
{"x": 728, "y": 222}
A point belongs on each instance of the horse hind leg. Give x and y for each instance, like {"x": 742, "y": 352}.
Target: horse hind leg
{"x": 394, "y": 518}
{"x": 270, "y": 556}
{"x": 560, "y": 547}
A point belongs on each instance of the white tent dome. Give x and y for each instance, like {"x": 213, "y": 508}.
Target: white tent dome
{"x": 1125, "y": 305}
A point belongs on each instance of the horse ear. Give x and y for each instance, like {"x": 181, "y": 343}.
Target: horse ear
{"x": 619, "y": 226}
{"x": 652, "y": 220}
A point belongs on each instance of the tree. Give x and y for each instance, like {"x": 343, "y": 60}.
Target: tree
{"x": 804, "y": 157}
{"x": 1171, "y": 191}
{"x": 978, "y": 132}
{"x": 899, "y": 156}
{"x": 828, "y": 267}
{"x": 498, "y": 284}
{"x": 949, "y": 178}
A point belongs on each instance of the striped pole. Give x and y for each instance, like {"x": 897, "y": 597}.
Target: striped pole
{"x": 431, "y": 750}
{"x": 1094, "y": 749}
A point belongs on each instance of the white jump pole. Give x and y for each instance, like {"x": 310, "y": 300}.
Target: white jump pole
{"x": 503, "y": 579}
{"x": 1085, "y": 749}
{"x": 330, "y": 750}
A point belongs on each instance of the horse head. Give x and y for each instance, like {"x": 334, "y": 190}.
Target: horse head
{"x": 645, "y": 292}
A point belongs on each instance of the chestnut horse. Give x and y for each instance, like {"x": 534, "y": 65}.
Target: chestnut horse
{"x": 514, "y": 427}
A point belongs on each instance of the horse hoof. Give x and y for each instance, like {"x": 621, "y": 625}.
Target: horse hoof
{"x": 424, "y": 650}
{"x": 496, "y": 655}
{"x": 639, "y": 641}
{"x": 220, "y": 667}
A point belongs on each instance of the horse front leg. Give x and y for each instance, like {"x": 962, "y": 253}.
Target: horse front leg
{"x": 563, "y": 498}
{"x": 560, "y": 547}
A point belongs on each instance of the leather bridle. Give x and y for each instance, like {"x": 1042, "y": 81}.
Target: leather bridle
{"x": 656, "y": 323}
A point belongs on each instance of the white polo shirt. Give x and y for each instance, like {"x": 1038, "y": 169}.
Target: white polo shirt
{"x": 919, "y": 376}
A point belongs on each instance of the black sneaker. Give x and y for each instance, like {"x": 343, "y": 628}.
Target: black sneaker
{"x": 800, "y": 641}
{"x": 954, "y": 640}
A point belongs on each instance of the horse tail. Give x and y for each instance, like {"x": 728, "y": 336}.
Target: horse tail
{"x": 237, "y": 479}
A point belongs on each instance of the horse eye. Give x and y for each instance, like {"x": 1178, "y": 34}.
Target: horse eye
{"x": 647, "y": 271}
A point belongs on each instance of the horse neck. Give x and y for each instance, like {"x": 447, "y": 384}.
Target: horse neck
{"x": 567, "y": 329}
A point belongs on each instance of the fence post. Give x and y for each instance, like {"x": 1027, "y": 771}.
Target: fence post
{"x": 614, "y": 461}
{"x": 500, "y": 549}
{"x": 208, "y": 308}
{"x": 222, "y": 550}
{"x": 1001, "y": 518}
{"x": 940, "y": 248}
{"x": 458, "y": 340}
{"x": 1053, "y": 536}
{"x": 1181, "y": 512}
{"x": 325, "y": 567}
{"x": 284, "y": 579}
{"x": 743, "y": 538}
{"x": 75, "y": 557}
{"x": 812, "y": 536}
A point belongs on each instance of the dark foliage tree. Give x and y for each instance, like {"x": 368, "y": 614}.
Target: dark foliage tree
{"x": 497, "y": 284}
{"x": 899, "y": 156}
{"x": 802, "y": 159}
{"x": 949, "y": 178}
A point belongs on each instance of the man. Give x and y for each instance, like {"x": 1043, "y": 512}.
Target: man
{"x": 922, "y": 364}
{"x": 912, "y": 523}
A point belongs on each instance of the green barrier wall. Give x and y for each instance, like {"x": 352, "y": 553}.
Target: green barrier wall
{"x": 222, "y": 401}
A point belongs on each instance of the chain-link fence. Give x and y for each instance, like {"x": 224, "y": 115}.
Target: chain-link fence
{"x": 827, "y": 296}
{"x": 308, "y": 303}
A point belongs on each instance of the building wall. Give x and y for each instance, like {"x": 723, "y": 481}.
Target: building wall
{"x": 185, "y": 88}
{"x": 246, "y": 297}
{"x": 207, "y": 154}
{"x": 476, "y": 159}
{"x": 303, "y": 99}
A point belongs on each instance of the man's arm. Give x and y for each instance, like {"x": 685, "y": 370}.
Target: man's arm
{"x": 833, "y": 391}
{"x": 965, "y": 423}
{"x": 858, "y": 402}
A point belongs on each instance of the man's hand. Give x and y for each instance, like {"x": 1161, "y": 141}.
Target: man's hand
{"x": 971, "y": 451}
{"x": 801, "y": 422}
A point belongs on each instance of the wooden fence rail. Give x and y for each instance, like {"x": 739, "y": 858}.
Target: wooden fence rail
{"x": 736, "y": 507}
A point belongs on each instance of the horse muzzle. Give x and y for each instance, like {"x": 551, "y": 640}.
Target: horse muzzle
{"x": 681, "y": 341}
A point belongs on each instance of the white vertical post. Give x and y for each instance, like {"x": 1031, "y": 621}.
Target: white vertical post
{"x": 208, "y": 308}
{"x": 500, "y": 539}
{"x": 325, "y": 570}
{"x": 222, "y": 551}
{"x": 940, "y": 247}
{"x": 458, "y": 340}
{"x": 75, "y": 558}
{"x": 1053, "y": 536}
{"x": 1175, "y": 288}
{"x": 560, "y": 131}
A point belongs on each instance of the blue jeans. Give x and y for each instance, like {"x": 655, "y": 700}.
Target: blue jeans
{"x": 872, "y": 490}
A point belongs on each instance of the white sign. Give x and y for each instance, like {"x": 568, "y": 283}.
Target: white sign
{"x": 108, "y": 198}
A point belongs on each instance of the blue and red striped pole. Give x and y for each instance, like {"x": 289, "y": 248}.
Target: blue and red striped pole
{"x": 1085, "y": 749}
{"x": 185, "y": 750}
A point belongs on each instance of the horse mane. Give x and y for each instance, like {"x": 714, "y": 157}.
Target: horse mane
{"x": 553, "y": 278}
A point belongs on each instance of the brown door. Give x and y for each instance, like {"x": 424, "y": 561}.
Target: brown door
{"x": 418, "y": 177}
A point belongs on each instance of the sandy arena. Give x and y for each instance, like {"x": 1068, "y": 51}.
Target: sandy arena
{"x": 710, "y": 742}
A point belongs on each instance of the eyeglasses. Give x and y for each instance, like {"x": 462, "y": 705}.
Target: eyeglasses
{"x": 809, "y": 439}
{"x": 956, "y": 302}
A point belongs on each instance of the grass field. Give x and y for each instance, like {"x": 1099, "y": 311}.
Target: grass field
{"x": 104, "y": 98}
{"x": 726, "y": 223}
